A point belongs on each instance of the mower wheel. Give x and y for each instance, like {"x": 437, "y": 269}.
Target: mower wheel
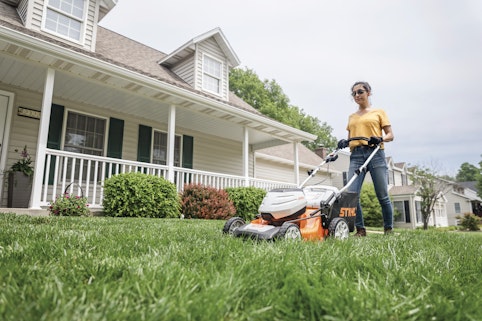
{"x": 289, "y": 231}
{"x": 232, "y": 224}
{"x": 338, "y": 228}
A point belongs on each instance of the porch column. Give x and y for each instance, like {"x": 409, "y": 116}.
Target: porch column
{"x": 43, "y": 132}
{"x": 171, "y": 135}
{"x": 296, "y": 163}
{"x": 246, "y": 156}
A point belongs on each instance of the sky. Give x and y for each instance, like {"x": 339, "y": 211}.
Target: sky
{"x": 423, "y": 60}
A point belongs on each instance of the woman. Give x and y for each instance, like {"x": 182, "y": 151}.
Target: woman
{"x": 373, "y": 123}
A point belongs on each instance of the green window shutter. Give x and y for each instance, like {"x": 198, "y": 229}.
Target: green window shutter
{"x": 55, "y": 135}
{"x": 55, "y": 127}
{"x": 144, "y": 144}
{"x": 116, "y": 136}
{"x": 187, "y": 151}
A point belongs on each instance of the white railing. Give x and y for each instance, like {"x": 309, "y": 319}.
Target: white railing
{"x": 81, "y": 174}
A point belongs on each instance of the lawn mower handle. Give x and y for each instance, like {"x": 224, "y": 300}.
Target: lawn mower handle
{"x": 331, "y": 157}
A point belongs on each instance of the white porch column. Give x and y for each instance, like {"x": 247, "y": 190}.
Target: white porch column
{"x": 43, "y": 133}
{"x": 171, "y": 135}
{"x": 296, "y": 163}
{"x": 246, "y": 156}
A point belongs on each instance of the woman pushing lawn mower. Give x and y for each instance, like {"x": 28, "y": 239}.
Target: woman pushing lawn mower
{"x": 318, "y": 211}
{"x": 369, "y": 122}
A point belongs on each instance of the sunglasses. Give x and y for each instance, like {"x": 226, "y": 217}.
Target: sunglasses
{"x": 358, "y": 92}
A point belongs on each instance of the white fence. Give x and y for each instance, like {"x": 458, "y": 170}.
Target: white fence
{"x": 81, "y": 174}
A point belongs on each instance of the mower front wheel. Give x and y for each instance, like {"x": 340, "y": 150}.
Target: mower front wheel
{"x": 289, "y": 231}
{"x": 338, "y": 228}
{"x": 232, "y": 224}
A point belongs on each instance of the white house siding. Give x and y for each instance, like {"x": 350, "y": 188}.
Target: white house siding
{"x": 211, "y": 48}
{"x": 465, "y": 207}
{"x": 219, "y": 155}
{"x": 185, "y": 70}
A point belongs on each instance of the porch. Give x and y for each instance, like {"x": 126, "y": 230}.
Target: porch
{"x": 84, "y": 175}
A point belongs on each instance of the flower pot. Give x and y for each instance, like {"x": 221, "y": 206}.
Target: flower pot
{"x": 19, "y": 190}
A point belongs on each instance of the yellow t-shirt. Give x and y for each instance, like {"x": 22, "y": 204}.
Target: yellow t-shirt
{"x": 367, "y": 125}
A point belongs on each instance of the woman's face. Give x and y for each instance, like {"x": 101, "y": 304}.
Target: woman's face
{"x": 360, "y": 95}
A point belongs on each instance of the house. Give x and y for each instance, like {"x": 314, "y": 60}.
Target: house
{"x": 89, "y": 103}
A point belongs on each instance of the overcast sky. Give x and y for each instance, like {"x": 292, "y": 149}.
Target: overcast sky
{"x": 423, "y": 59}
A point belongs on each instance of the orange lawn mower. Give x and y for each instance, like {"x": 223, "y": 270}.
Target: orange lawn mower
{"x": 310, "y": 213}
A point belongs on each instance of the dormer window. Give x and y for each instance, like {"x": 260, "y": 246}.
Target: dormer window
{"x": 65, "y": 18}
{"x": 212, "y": 74}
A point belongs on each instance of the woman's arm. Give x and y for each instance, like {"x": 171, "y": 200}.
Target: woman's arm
{"x": 388, "y": 134}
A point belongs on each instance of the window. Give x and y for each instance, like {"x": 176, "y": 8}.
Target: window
{"x": 402, "y": 210}
{"x": 391, "y": 177}
{"x": 212, "y": 75}
{"x": 457, "y": 208}
{"x": 418, "y": 209}
{"x": 404, "y": 180}
{"x": 86, "y": 135}
{"x": 159, "y": 152}
{"x": 399, "y": 211}
{"x": 65, "y": 17}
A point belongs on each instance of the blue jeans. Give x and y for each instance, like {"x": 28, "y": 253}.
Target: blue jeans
{"x": 379, "y": 172}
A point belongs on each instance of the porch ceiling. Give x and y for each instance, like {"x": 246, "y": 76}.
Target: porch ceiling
{"x": 120, "y": 90}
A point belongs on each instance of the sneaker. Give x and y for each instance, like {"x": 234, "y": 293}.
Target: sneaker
{"x": 388, "y": 231}
{"x": 360, "y": 231}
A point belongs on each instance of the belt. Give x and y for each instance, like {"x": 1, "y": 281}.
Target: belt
{"x": 364, "y": 147}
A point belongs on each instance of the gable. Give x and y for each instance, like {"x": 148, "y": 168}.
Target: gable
{"x": 204, "y": 63}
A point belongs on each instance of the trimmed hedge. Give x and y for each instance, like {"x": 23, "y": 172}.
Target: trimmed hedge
{"x": 204, "y": 202}
{"x": 246, "y": 200}
{"x": 140, "y": 195}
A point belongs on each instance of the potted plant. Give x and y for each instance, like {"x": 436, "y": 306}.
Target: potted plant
{"x": 20, "y": 181}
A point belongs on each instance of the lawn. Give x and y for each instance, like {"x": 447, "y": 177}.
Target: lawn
{"x": 100, "y": 268}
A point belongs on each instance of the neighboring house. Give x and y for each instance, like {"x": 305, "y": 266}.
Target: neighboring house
{"x": 89, "y": 103}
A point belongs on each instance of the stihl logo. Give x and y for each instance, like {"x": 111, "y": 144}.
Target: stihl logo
{"x": 347, "y": 211}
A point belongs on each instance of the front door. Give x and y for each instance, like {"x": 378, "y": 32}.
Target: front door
{"x": 6, "y": 105}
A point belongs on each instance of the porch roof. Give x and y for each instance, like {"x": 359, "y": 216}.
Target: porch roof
{"x": 124, "y": 76}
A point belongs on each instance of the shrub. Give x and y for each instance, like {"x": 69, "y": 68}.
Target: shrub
{"x": 246, "y": 200}
{"x": 69, "y": 205}
{"x": 200, "y": 201}
{"x": 469, "y": 222}
{"x": 140, "y": 195}
{"x": 372, "y": 211}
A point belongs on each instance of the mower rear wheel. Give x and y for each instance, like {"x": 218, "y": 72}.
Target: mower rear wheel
{"x": 289, "y": 231}
{"x": 232, "y": 224}
{"x": 338, "y": 228}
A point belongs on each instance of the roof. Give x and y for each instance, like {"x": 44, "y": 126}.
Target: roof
{"x": 403, "y": 190}
{"x": 188, "y": 48}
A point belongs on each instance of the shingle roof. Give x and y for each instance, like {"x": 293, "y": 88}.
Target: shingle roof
{"x": 403, "y": 190}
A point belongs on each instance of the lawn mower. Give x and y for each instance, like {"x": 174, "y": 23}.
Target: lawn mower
{"x": 307, "y": 212}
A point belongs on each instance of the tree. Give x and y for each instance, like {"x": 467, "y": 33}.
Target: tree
{"x": 479, "y": 180}
{"x": 430, "y": 190}
{"x": 467, "y": 173}
{"x": 268, "y": 98}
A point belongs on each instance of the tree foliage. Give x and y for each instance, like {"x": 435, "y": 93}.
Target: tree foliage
{"x": 268, "y": 97}
{"x": 430, "y": 190}
{"x": 467, "y": 173}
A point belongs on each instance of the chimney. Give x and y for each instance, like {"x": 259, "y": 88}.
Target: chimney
{"x": 321, "y": 151}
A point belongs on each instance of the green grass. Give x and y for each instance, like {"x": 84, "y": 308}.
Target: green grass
{"x": 99, "y": 268}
